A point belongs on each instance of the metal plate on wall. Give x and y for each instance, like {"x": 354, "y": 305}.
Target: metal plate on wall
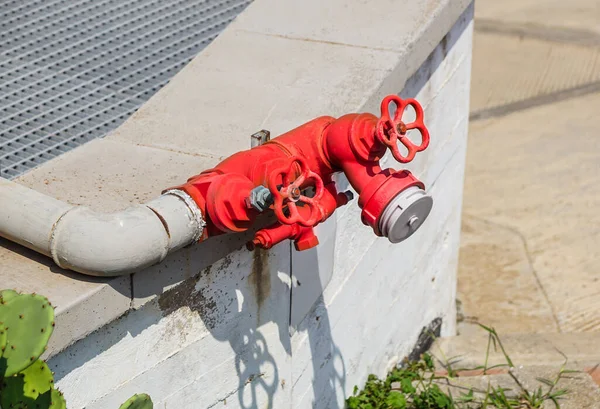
{"x": 312, "y": 271}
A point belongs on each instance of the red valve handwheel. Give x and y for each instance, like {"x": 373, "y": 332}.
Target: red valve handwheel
{"x": 390, "y": 131}
{"x": 290, "y": 193}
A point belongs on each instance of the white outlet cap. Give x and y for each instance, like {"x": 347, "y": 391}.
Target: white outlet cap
{"x": 405, "y": 214}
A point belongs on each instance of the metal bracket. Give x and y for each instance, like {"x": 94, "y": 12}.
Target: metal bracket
{"x": 260, "y": 137}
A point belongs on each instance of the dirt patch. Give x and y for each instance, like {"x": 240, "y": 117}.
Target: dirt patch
{"x": 185, "y": 294}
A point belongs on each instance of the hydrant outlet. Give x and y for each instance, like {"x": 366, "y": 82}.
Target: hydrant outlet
{"x": 405, "y": 214}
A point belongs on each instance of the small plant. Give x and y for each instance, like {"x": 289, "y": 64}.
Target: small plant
{"x": 26, "y": 382}
{"x": 416, "y": 385}
{"x": 409, "y": 386}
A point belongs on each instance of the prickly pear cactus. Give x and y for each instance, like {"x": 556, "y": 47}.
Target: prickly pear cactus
{"x": 31, "y": 388}
{"x": 26, "y": 323}
{"x": 28, "y": 320}
{"x": 38, "y": 379}
{"x": 6, "y": 295}
{"x": 57, "y": 401}
{"x": 138, "y": 401}
{"x": 3, "y": 338}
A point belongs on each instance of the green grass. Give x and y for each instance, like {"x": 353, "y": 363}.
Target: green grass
{"x": 415, "y": 385}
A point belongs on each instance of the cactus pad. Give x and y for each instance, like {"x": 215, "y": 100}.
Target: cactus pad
{"x": 52, "y": 399}
{"x": 6, "y": 295}
{"x": 38, "y": 379}
{"x": 29, "y": 321}
{"x": 57, "y": 401}
{"x": 28, "y": 389}
{"x": 3, "y": 338}
{"x": 138, "y": 401}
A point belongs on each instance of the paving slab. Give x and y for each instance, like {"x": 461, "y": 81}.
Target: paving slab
{"x": 497, "y": 282}
{"x": 470, "y": 350}
{"x": 582, "y": 391}
{"x": 509, "y": 69}
{"x": 529, "y": 256}
{"x": 579, "y": 15}
{"x": 535, "y": 173}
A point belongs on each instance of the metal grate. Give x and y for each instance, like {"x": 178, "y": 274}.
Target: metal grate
{"x": 73, "y": 70}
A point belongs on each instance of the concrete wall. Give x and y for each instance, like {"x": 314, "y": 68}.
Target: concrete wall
{"x": 282, "y": 329}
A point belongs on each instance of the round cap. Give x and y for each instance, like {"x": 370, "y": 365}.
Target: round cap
{"x": 405, "y": 214}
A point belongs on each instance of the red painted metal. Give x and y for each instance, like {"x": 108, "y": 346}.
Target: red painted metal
{"x": 390, "y": 131}
{"x": 306, "y": 159}
{"x": 286, "y": 196}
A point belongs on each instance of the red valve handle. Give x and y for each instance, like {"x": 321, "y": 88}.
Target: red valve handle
{"x": 389, "y": 131}
{"x": 289, "y": 194}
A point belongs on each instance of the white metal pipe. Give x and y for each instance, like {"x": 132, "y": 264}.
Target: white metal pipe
{"x": 94, "y": 243}
{"x": 27, "y": 217}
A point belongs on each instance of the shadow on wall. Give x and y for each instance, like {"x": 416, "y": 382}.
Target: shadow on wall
{"x": 246, "y": 298}
{"x": 243, "y": 301}
{"x": 248, "y": 311}
{"x": 328, "y": 375}
{"x": 323, "y": 371}
{"x": 234, "y": 299}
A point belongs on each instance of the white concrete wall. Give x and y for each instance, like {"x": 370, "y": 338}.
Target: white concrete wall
{"x": 381, "y": 295}
{"x": 246, "y": 333}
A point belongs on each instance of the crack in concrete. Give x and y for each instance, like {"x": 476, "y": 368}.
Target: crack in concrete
{"x": 167, "y": 149}
{"x": 529, "y": 261}
{"x": 318, "y": 41}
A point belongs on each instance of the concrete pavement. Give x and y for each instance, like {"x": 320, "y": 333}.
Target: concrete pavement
{"x": 530, "y": 252}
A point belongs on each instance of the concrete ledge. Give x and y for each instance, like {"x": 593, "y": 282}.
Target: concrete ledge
{"x": 283, "y": 63}
{"x": 303, "y": 60}
{"x": 105, "y": 176}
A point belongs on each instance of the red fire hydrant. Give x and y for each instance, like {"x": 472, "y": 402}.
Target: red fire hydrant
{"x": 292, "y": 175}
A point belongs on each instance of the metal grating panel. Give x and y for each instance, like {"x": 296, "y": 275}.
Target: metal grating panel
{"x": 73, "y": 70}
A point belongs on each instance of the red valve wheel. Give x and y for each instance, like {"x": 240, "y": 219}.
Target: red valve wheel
{"x": 290, "y": 194}
{"x": 390, "y": 131}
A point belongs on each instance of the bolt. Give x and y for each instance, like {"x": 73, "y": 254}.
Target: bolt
{"x": 260, "y": 198}
{"x": 401, "y": 128}
{"x": 260, "y": 137}
{"x": 295, "y": 194}
{"x": 349, "y": 194}
{"x": 412, "y": 221}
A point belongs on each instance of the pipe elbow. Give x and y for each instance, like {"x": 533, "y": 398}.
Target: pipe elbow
{"x": 113, "y": 244}
{"x": 351, "y": 138}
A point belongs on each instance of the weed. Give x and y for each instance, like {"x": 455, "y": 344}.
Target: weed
{"x": 416, "y": 385}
